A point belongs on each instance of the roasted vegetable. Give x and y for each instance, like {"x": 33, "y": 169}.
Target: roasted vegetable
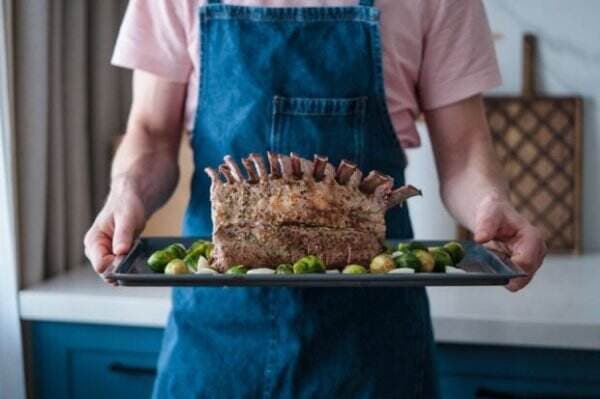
{"x": 285, "y": 268}
{"x": 408, "y": 259}
{"x": 441, "y": 259}
{"x": 309, "y": 264}
{"x": 427, "y": 261}
{"x": 456, "y": 251}
{"x": 382, "y": 264}
{"x": 176, "y": 266}
{"x": 410, "y": 246}
{"x": 202, "y": 263}
{"x": 178, "y": 250}
{"x": 354, "y": 269}
{"x": 238, "y": 269}
{"x": 159, "y": 260}
{"x": 191, "y": 259}
{"x": 199, "y": 244}
{"x": 402, "y": 270}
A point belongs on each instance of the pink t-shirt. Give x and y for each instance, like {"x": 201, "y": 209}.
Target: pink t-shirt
{"x": 435, "y": 52}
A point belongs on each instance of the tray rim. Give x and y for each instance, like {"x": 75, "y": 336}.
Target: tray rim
{"x": 121, "y": 265}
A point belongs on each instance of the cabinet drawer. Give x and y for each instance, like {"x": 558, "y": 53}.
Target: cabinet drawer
{"x": 112, "y": 375}
{"x": 93, "y": 361}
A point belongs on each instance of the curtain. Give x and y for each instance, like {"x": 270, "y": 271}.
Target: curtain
{"x": 69, "y": 104}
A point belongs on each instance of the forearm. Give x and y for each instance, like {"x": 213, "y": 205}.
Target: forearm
{"x": 466, "y": 161}
{"x": 146, "y": 163}
{"x": 474, "y": 176}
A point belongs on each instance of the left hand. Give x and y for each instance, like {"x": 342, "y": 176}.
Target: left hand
{"x": 500, "y": 226}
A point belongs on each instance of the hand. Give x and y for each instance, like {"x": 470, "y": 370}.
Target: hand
{"x": 119, "y": 222}
{"x": 500, "y": 226}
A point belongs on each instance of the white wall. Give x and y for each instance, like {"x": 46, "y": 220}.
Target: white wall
{"x": 568, "y": 63}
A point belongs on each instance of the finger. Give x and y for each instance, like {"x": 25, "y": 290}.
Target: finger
{"x": 517, "y": 283}
{"x": 124, "y": 234}
{"x": 99, "y": 252}
{"x": 528, "y": 250}
{"x": 486, "y": 225}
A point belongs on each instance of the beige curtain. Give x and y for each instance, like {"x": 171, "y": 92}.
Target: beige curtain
{"x": 69, "y": 105}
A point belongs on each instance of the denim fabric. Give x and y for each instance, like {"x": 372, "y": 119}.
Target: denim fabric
{"x": 307, "y": 80}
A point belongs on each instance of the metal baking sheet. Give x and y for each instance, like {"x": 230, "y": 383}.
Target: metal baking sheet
{"x": 483, "y": 266}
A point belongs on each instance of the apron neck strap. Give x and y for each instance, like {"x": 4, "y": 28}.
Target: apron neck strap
{"x": 214, "y": 1}
{"x": 366, "y": 3}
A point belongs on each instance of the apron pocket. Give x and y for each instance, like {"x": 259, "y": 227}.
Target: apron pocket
{"x": 328, "y": 126}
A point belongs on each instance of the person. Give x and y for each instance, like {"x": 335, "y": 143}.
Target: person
{"x": 343, "y": 78}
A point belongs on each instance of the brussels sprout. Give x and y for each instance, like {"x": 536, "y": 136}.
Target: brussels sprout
{"x": 408, "y": 259}
{"x": 198, "y": 244}
{"x": 456, "y": 251}
{"x": 178, "y": 250}
{"x": 309, "y": 264}
{"x": 427, "y": 261}
{"x": 285, "y": 268}
{"x": 159, "y": 260}
{"x": 210, "y": 247}
{"x": 238, "y": 269}
{"x": 441, "y": 259}
{"x": 261, "y": 270}
{"x": 382, "y": 264}
{"x": 191, "y": 259}
{"x": 202, "y": 263}
{"x": 410, "y": 246}
{"x": 176, "y": 266}
{"x": 354, "y": 269}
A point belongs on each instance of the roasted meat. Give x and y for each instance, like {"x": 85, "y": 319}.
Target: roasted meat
{"x": 293, "y": 207}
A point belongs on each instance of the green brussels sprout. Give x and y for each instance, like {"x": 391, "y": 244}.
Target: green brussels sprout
{"x": 178, "y": 250}
{"x": 382, "y": 263}
{"x": 441, "y": 259}
{"x": 427, "y": 261}
{"x": 456, "y": 251}
{"x": 354, "y": 269}
{"x": 191, "y": 259}
{"x": 159, "y": 260}
{"x": 198, "y": 244}
{"x": 411, "y": 246}
{"x": 285, "y": 268}
{"x": 237, "y": 269}
{"x": 175, "y": 267}
{"x": 208, "y": 252}
{"x": 408, "y": 259}
{"x": 309, "y": 264}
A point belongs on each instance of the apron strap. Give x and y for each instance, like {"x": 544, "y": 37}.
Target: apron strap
{"x": 214, "y": 1}
{"x": 366, "y": 3}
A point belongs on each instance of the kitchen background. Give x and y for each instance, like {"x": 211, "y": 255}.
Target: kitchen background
{"x": 543, "y": 342}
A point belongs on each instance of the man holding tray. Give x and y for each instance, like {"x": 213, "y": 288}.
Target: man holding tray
{"x": 215, "y": 69}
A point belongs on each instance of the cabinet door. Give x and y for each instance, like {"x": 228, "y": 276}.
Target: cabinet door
{"x": 93, "y": 361}
{"x": 487, "y": 372}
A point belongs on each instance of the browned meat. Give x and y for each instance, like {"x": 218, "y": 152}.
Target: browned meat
{"x": 297, "y": 207}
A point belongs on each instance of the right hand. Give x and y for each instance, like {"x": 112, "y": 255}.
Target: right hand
{"x": 120, "y": 221}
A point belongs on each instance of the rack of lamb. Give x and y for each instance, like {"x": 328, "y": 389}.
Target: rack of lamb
{"x": 293, "y": 207}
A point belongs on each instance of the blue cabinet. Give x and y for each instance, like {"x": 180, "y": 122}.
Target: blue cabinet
{"x": 494, "y": 372}
{"x": 88, "y": 361}
{"x": 93, "y": 361}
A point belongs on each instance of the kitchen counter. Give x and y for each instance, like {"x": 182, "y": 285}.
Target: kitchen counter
{"x": 559, "y": 309}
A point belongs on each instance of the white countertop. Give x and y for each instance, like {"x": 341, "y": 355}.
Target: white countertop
{"x": 559, "y": 309}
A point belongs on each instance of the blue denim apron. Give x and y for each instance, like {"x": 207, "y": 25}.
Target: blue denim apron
{"x": 307, "y": 80}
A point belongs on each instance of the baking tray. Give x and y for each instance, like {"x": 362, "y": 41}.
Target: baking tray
{"x": 484, "y": 267}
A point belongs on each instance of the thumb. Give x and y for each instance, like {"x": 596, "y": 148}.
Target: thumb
{"x": 486, "y": 226}
{"x": 124, "y": 234}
